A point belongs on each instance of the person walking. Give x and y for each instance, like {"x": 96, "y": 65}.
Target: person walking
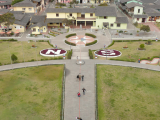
{"x": 82, "y": 77}
{"x": 79, "y": 94}
{"x": 77, "y": 77}
{"x": 83, "y": 91}
{"x": 77, "y": 58}
{"x": 104, "y": 46}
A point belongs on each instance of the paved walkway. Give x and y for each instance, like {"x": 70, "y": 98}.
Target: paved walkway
{"x": 87, "y": 102}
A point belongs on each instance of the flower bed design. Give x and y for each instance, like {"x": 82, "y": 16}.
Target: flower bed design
{"x": 52, "y": 52}
{"x": 109, "y": 53}
{"x": 80, "y": 39}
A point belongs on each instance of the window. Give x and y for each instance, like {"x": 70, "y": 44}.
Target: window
{"x": 105, "y": 17}
{"x": 38, "y": 30}
{"x": 23, "y": 8}
{"x": 137, "y": 19}
{"x": 44, "y": 28}
{"x": 111, "y": 25}
{"x": 91, "y": 14}
{"x": 15, "y": 27}
{"x": 118, "y": 25}
{"x": 138, "y": 10}
{"x": 57, "y": 23}
{"x": 50, "y": 23}
{"x": 30, "y": 9}
{"x": 57, "y": 14}
{"x": 70, "y": 14}
{"x": 34, "y": 29}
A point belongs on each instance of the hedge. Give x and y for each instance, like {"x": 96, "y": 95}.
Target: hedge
{"x": 90, "y": 54}
{"x": 69, "y": 55}
{"x": 111, "y": 43}
{"x": 9, "y": 40}
{"x": 91, "y": 35}
{"x": 150, "y": 58}
{"x": 94, "y": 42}
{"x": 73, "y": 34}
{"x": 69, "y": 43}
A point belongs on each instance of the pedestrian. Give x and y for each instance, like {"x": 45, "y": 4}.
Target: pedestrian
{"x": 156, "y": 39}
{"x": 78, "y": 118}
{"x": 77, "y": 77}
{"x": 82, "y": 77}
{"x": 104, "y": 46}
{"x": 79, "y": 94}
{"x": 84, "y": 91}
{"x": 77, "y": 58}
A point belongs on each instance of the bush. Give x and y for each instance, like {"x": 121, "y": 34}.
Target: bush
{"x": 135, "y": 24}
{"x": 69, "y": 55}
{"x": 14, "y": 57}
{"x": 103, "y": 4}
{"x": 120, "y": 31}
{"x": 131, "y": 34}
{"x": 90, "y": 54}
{"x": 61, "y": 4}
{"x": 91, "y": 35}
{"x": 73, "y": 34}
{"x": 0, "y": 64}
{"x": 9, "y": 40}
{"x": 94, "y": 42}
{"x": 149, "y": 41}
{"x": 69, "y": 43}
{"x": 12, "y": 33}
{"x": 50, "y": 44}
{"x": 111, "y": 44}
{"x": 142, "y": 46}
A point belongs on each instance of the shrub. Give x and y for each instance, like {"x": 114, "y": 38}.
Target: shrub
{"x": 131, "y": 34}
{"x": 136, "y": 24}
{"x": 69, "y": 55}
{"x": 73, "y": 34}
{"x": 14, "y": 57}
{"x": 90, "y": 54}
{"x": 111, "y": 44}
{"x": 0, "y": 64}
{"x": 142, "y": 46}
{"x": 9, "y": 40}
{"x": 12, "y": 33}
{"x": 91, "y": 35}
{"x": 149, "y": 41}
{"x": 94, "y": 42}
{"x": 69, "y": 43}
{"x": 120, "y": 31}
{"x": 103, "y": 4}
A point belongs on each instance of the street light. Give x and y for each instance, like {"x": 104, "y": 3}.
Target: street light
{"x": 73, "y": 24}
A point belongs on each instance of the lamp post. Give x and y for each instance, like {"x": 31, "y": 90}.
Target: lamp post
{"x": 73, "y": 24}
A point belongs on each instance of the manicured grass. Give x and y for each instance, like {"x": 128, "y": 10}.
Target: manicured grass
{"x": 126, "y": 93}
{"x": 157, "y": 24}
{"x": 31, "y": 93}
{"x": 17, "y": 49}
{"x": 132, "y": 54}
{"x": 139, "y": 25}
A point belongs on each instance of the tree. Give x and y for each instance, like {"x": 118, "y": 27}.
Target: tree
{"x": 14, "y": 57}
{"x": 8, "y": 19}
{"x": 16, "y": 1}
{"x": 145, "y": 28}
{"x": 68, "y": 21}
{"x": 73, "y": 2}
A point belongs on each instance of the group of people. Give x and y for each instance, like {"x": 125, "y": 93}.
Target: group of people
{"x": 79, "y": 77}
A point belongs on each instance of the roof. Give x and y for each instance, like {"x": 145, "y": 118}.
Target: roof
{"x": 7, "y": 0}
{"x": 70, "y": 10}
{"x": 105, "y": 11}
{"x": 25, "y": 3}
{"x": 148, "y": 1}
{"x": 23, "y": 21}
{"x": 141, "y": 16}
{"x": 121, "y": 20}
{"x": 133, "y": 4}
{"x": 38, "y": 18}
{"x": 152, "y": 6}
{"x": 40, "y": 24}
{"x": 3, "y": 11}
{"x": 5, "y": 3}
{"x": 152, "y": 12}
{"x": 157, "y": 2}
{"x": 54, "y": 20}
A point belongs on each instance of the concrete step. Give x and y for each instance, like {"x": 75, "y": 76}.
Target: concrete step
{"x": 84, "y": 55}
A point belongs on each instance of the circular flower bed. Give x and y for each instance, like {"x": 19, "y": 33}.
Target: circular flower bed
{"x": 52, "y": 52}
{"x": 108, "y": 53}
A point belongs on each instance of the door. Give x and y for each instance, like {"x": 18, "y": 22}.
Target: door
{"x": 143, "y": 19}
{"x": 82, "y": 15}
{"x": 80, "y": 1}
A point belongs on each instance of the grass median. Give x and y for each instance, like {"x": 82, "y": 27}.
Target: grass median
{"x": 31, "y": 93}
{"x": 126, "y": 93}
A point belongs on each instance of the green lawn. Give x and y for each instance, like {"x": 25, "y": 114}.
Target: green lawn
{"x": 17, "y": 49}
{"x": 126, "y": 93}
{"x": 139, "y": 25}
{"x": 31, "y": 93}
{"x": 157, "y": 24}
{"x": 132, "y": 54}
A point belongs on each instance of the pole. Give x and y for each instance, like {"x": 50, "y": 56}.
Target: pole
{"x": 10, "y": 55}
